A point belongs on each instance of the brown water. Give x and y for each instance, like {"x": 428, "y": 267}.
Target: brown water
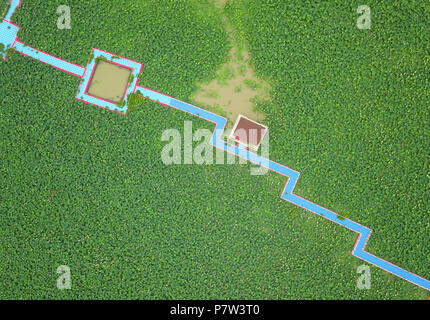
{"x": 109, "y": 81}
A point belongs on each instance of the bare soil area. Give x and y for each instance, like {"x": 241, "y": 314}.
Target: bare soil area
{"x": 236, "y": 87}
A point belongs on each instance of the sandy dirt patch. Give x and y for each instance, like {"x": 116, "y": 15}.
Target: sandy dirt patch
{"x": 234, "y": 90}
{"x": 236, "y": 87}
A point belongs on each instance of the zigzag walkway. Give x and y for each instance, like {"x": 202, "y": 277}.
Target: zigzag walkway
{"x": 220, "y": 122}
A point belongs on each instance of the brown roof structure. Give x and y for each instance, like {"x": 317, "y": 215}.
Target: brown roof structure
{"x": 248, "y": 132}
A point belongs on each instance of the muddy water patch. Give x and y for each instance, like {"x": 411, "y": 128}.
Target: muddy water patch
{"x": 109, "y": 81}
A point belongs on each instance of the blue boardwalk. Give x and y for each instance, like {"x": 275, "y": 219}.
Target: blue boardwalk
{"x": 13, "y": 6}
{"x": 287, "y": 194}
{"x": 8, "y": 36}
{"x": 49, "y": 59}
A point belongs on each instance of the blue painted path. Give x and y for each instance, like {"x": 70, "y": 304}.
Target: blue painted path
{"x": 14, "y": 4}
{"x": 49, "y": 59}
{"x": 287, "y": 194}
{"x": 8, "y": 36}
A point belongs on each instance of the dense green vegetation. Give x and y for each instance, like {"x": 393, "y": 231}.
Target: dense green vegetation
{"x": 350, "y": 111}
{"x": 86, "y": 188}
{"x": 3, "y": 5}
{"x": 179, "y": 42}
